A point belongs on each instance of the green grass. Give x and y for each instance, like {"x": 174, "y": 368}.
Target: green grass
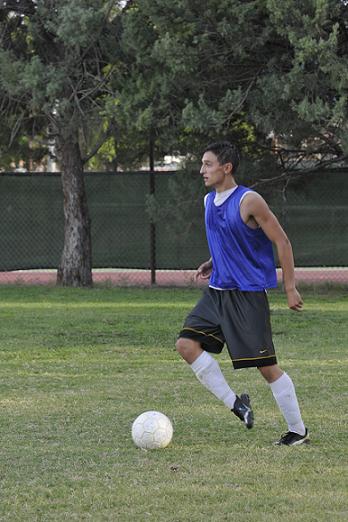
{"x": 77, "y": 366}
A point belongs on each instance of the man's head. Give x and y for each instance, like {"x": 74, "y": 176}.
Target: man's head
{"x": 219, "y": 163}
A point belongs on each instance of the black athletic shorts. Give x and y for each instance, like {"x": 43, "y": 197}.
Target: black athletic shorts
{"x": 239, "y": 319}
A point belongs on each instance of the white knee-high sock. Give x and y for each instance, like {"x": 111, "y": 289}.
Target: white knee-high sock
{"x": 207, "y": 371}
{"x": 285, "y": 395}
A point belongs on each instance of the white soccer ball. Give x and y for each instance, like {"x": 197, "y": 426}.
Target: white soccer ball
{"x": 152, "y": 430}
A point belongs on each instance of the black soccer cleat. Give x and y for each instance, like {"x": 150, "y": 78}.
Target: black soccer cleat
{"x": 293, "y": 439}
{"x": 242, "y": 409}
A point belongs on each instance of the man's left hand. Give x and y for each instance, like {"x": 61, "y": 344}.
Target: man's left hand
{"x": 295, "y": 301}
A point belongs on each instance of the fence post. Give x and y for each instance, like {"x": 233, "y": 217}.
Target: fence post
{"x": 152, "y": 224}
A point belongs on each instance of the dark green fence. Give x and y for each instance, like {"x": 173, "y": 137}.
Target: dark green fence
{"x": 314, "y": 213}
{"x": 313, "y": 210}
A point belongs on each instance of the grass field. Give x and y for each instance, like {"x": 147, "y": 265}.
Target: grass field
{"x": 77, "y": 366}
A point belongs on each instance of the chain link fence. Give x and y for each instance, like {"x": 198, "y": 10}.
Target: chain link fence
{"x": 127, "y": 250}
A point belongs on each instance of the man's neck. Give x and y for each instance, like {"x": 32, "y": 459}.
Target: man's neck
{"x": 227, "y": 185}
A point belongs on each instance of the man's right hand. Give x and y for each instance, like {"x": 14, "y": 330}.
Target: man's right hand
{"x": 204, "y": 270}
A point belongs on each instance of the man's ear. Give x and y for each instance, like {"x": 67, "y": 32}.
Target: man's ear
{"x": 228, "y": 168}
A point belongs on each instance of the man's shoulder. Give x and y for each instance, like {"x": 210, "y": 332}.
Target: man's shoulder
{"x": 251, "y": 195}
{"x": 251, "y": 204}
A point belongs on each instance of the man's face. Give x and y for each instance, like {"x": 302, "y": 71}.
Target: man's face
{"x": 214, "y": 174}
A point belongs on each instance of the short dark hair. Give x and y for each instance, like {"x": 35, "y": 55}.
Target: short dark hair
{"x": 226, "y": 152}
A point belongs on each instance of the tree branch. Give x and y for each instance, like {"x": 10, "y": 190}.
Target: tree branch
{"x": 295, "y": 173}
{"x": 99, "y": 144}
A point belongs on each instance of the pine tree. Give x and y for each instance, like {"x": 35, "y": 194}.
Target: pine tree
{"x": 56, "y": 57}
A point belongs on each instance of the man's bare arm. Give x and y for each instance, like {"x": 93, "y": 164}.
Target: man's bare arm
{"x": 254, "y": 206}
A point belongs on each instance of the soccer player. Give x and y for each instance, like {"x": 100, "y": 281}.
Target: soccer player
{"x": 234, "y": 309}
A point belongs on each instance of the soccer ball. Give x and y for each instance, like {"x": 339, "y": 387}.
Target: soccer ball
{"x": 152, "y": 430}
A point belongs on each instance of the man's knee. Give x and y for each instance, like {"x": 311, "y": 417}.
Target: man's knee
{"x": 271, "y": 373}
{"x": 188, "y": 349}
{"x": 184, "y": 345}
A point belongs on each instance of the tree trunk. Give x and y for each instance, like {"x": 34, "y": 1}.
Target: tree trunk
{"x": 75, "y": 267}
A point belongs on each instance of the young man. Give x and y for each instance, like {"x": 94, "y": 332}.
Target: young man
{"x": 234, "y": 309}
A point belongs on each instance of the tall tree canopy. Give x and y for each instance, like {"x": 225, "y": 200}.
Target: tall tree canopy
{"x": 271, "y": 75}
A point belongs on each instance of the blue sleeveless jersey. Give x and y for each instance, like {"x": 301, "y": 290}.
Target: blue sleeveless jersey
{"x": 242, "y": 256}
